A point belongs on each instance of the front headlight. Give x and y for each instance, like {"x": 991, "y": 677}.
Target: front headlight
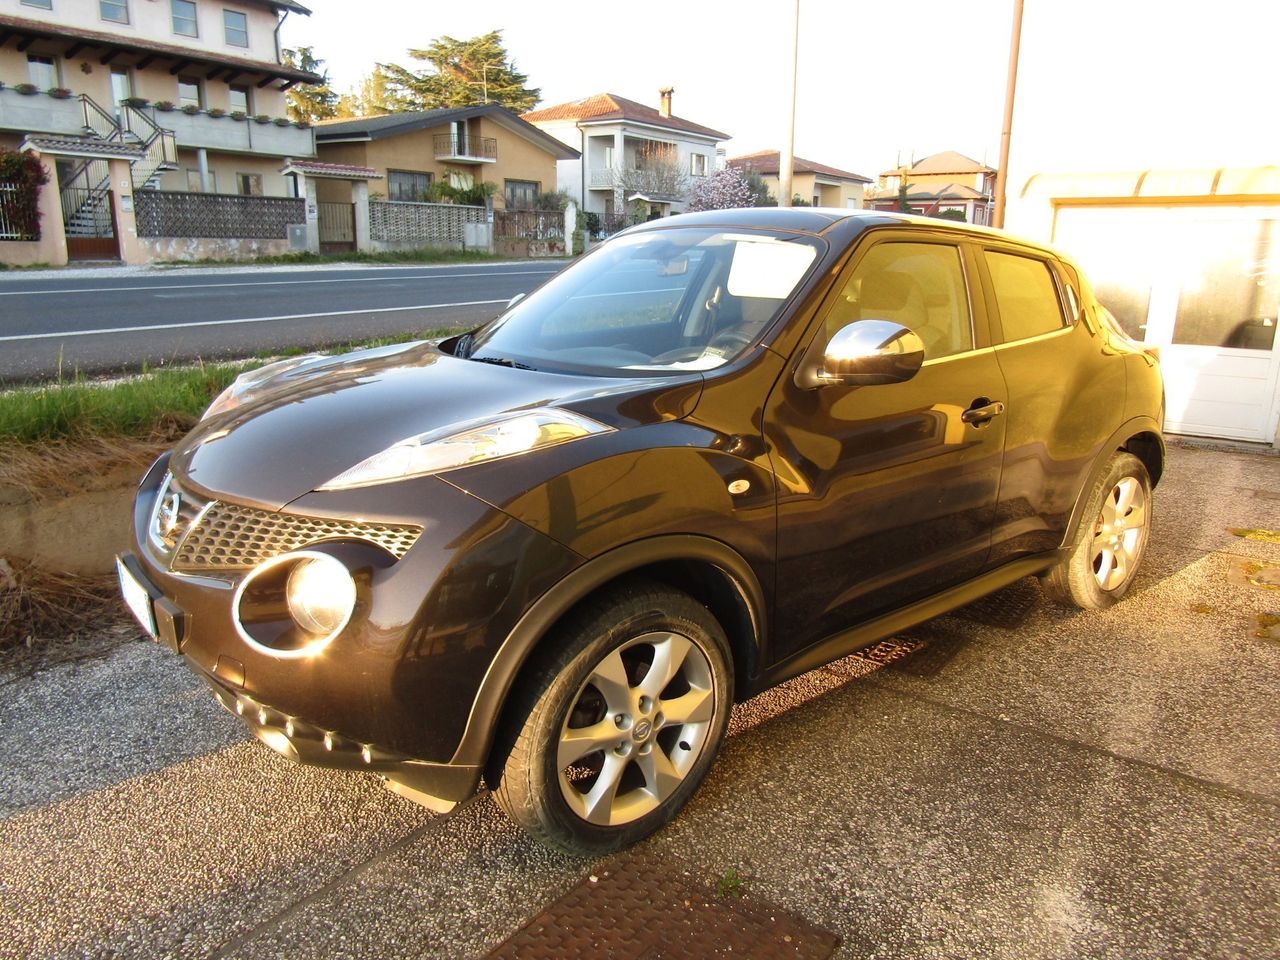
{"x": 230, "y": 398}
{"x": 439, "y": 450}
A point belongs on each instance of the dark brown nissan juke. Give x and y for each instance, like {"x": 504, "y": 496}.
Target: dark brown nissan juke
{"x": 721, "y": 450}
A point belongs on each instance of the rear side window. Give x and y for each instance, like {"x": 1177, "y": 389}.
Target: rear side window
{"x": 1025, "y": 295}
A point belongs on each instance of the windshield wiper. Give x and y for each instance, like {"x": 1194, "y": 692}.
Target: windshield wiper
{"x": 503, "y": 362}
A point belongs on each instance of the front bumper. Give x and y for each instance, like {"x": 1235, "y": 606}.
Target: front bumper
{"x": 393, "y": 693}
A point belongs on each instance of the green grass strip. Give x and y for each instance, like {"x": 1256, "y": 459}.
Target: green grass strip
{"x": 137, "y": 405}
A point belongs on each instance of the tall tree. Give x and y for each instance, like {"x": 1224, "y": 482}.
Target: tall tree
{"x": 309, "y": 101}
{"x": 372, "y": 98}
{"x": 461, "y": 73}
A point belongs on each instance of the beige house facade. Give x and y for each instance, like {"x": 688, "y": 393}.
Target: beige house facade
{"x": 190, "y": 94}
{"x": 408, "y": 152}
{"x": 630, "y": 159}
{"x": 941, "y": 183}
{"x": 815, "y": 183}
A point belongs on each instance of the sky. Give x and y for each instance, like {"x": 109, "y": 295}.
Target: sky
{"x": 1103, "y": 84}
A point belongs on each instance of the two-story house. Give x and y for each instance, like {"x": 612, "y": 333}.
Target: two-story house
{"x": 815, "y": 183}
{"x": 461, "y": 146}
{"x": 635, "y": 159}
{"x": 191, "y": 93}
{"x": 938, "y": 183}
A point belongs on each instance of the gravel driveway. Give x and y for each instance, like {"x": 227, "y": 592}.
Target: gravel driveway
{"x": 1030, "y": 783}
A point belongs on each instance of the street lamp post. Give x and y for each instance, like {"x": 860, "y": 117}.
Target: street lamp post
{"x": 1002, "y": 172}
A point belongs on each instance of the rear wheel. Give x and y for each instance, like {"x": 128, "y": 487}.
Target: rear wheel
{"x": 1111, "y": 540}
{"x": 617, "y": 729}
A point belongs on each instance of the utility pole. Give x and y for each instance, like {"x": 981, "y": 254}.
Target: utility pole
{"x": 787, "y": 156}
{"x": 1002, "y": 171}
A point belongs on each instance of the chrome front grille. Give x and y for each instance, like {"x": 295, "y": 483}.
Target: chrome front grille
{"x": 209, "y": 536}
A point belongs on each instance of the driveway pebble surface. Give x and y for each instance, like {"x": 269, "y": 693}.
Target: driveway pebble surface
{"x": 1030, "y": 784}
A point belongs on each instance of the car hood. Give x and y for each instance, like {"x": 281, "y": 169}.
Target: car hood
{"x": 294, "y": 432}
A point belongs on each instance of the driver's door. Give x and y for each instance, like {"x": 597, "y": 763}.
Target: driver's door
{"x": 887, "y": 493}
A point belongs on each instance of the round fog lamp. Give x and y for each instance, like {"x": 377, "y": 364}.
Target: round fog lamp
{"x": 321, "y": 595}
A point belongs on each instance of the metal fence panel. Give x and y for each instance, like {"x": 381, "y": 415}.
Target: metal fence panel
{"x": 217, "y": 215}
{"x": 16, "y": 221}
{"x": 529, "y": 224}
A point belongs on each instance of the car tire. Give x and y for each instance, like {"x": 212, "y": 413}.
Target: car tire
{"x": 619, "y": 723}
{"x": 1110, "y": 541}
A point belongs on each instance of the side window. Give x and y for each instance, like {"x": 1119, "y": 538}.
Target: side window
{"x": 919, "y": 285}
{"x": 1025, "y": 295}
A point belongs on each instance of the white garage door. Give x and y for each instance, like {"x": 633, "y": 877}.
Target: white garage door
{"x": 1203, "y": 284}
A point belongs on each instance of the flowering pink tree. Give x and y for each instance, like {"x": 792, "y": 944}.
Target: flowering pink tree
{"x": 723, "y": 190}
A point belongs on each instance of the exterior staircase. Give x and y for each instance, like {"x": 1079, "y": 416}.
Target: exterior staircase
{"x": 86, "y": 211}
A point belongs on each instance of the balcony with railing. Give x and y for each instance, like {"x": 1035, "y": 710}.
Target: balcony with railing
{"x": 458, "y": 149}
{"x": 239, "y": 134}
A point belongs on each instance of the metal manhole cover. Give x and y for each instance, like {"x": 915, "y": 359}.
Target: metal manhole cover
{"x": 641, "y": 908}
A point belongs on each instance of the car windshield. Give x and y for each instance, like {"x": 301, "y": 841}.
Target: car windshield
{"x": 656, "y": 301}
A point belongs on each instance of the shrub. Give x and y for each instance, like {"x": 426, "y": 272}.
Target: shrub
{"x": 60, "y": 93}
{"x": 164, "y": 105}
{"x": 27, "y": 89}
{"x": 216, "y": 112}
{"x": 951, "y": 215}
{"x": 281, "y": 121}
{"x": 238, "y": 115}
{"x": 137, "y": 101}
{"x": 190, "y": 109}
{"x": 262, "y": 118}
{"x": 27, "y": 173}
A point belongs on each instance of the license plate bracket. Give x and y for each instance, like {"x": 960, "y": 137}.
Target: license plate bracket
{"x": 138, "y": 598}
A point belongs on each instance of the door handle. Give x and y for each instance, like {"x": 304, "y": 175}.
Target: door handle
{"x": 979, "y": 415}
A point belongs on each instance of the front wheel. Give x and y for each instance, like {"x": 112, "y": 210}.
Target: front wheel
{"x": 1111, "y": 540}
{"x": 616, "y": 730}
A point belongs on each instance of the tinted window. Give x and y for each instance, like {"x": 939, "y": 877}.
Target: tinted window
{"x": 1025, "y": 295}
{"x": 919, "y": 285}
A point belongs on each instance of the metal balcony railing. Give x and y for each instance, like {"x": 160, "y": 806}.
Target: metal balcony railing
{"x": 448, "y": 146}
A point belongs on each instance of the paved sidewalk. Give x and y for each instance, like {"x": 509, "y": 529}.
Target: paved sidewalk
{"x": 1031, "y": 783}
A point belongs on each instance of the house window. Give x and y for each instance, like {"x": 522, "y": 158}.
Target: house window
{"x": 42, "y": 72}
{"x": 189, "y": 92}
{"x": 238, "y": 100}
{"x": 184, "y": 18}
{"x": 249, "y": 184}
{"x": 236, "y": 28}
{"x": 116, "y": 11}
{"x": 193, "y": 181}
{"x": 42, "y": 4}
{"x": 407, "y": 186}
{"x": 520, "y": 193}
{"x": 698, "y": 164}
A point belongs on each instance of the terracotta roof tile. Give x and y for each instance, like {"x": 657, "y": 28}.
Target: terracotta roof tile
{"x": 601, "y": 107}
{"x": 767, "y": 161}
{"x": 344, "y": 171}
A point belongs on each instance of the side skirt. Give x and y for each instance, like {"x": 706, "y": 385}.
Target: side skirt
{"x": 848, "y": 641}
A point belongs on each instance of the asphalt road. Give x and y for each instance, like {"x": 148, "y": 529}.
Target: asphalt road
{"x": 1032, "y": 783}
{"x": 108, "y": 320}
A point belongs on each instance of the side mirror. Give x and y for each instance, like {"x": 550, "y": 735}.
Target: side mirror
{"x": 865, "y": 353}
{"x": 514, "y": 300}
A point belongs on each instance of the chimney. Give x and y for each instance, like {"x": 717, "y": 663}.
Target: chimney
{"x": 665, "y": 93}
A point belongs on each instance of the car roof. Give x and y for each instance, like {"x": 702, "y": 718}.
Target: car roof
{"x": 818, "y": 220}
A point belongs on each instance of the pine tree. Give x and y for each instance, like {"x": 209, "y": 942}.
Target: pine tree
{"x": 461, "y": 73}
{"x": 309, "y": 101}
{"x": 371, "y": 99}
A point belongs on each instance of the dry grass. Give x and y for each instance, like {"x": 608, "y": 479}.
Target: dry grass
{"x": 36, "y": 605}
{"x": 60, "y": 468}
